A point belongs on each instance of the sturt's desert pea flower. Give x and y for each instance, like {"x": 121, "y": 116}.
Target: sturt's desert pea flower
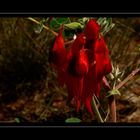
{"x": 83, "y": 67}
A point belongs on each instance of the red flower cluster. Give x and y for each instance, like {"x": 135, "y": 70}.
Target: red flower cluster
{"x": 83, "y": 67}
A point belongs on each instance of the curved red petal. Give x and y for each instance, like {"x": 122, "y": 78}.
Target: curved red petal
{"x": 76, "y": 46}
{"x": 92, "y": 30}
{"x": 75, "y": 88}
{"x": 77, "y": 59}
{"x": 103, "y": 65}
{"x": 58, "y": 51}
{"x": 87, "y": 103}
{"x": 107, "y": 63}
{"x": 81, "y": 63}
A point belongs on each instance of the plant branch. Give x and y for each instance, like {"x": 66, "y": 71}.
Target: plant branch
{"x": 45, "y": 27}
{"x": 131, "y": 75}
{"x": 29, "y": 36}
{"x": 48, "y": 29}
{"x": 108, "y": 112}
{"x": 69, "y": 42}
{"x": 97, "y": 111}
{"x": 112, "y": 102}
{"x": 112, "y": 98}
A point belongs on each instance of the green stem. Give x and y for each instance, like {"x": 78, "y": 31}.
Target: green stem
{"x": 48, "y": 29}
{"x": 45, "y": 27}
{"x": 108, "y": 112}
{"x": 97, "y": 111}
{"x": 112, "y": 102}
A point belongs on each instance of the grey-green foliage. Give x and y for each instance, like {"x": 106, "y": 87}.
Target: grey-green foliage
{"x": 39, "y": 27}
{"x": 74, "y": 25}
{"x": 105, "y": 24}
{"x": 113, "y": 92}
{"x": 57, "y": 22}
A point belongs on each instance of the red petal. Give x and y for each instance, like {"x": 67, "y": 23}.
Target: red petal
{"x": 92, "y": 30}
{"x": 76, "y": 46}
{"x": 81, "y": 63}
{"x": 87, "y": 103}
{"x": 61, "y": 75}
{"x": 107, "y": 63}
{"x": 58, "y": 52}
{"x": 77, "y": 59}
{"x": 103, "y": 65}
{"x": 75, "y": 87}
{"x": 78, "y": 66}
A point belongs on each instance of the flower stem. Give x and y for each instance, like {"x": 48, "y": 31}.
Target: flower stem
{"x": 97, "y": 111}
{"x": 48, "y": 29}
{"x": 112, "y": 103}
{"x": 69, "y": 42}
{"x": 108, "y": 112}
{"x": 45, "y": 27}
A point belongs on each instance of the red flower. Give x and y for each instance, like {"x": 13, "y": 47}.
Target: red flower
{"x": 82, "y": 69}
{"x": 99, "y": 66}
{"x": 76, "y": 70}
{"x": 76, "y": 56}
{"x": 58, "y": 57}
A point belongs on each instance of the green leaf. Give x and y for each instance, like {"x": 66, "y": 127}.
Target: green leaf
{"x": 38, "y": 28}
{"x": 57, "y": 22}
{"x": 113, "y": 92}
{"x": 73, "y": 120}
{"x": 83, "y": 20}
{"x": 62, "y": 20}
{"x": 74, "y": 25}
{"x": 17, "y": 120}
{"x": 105, "y": 24}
